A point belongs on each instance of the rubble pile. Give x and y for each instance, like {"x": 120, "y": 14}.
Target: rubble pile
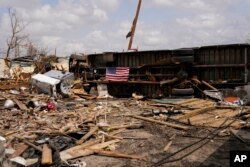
{"x": 32, "y": 124}
{"x": 51, "y": 120}
{"x": 37, "y": 129}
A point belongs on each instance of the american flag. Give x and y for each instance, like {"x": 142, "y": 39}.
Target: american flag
{"x": 117, "y": 73}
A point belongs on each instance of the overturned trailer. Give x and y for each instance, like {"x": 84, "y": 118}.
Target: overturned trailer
{"x": 157, "y": 72}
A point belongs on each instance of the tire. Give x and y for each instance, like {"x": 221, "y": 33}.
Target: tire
{"x": 187, "y": 91}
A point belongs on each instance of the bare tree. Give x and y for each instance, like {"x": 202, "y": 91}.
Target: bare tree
{"x": 16, "y": 37}
{"x": 31, "y": 49}
{"x": 43, "y": 51}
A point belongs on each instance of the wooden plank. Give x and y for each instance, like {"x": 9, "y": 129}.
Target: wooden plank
{"x": 117, "y": 154}
{"x": 196, "y": 112}
{"x": 20, "y": 105}
{"x": 87, "y": 135}
{"x": 201, "y": 119}
{"x": 20, "y": 148}
{"x": 208, "y": 85}
{"x": 29, "y": 143}
{"x": 221, "y": 112}
{"x": 92, "y": 142}
{"x": 160, "y": 122}
{"x": 179, "y": 116}
{"x": 203, "y": 104}
{"x": 168, "y": 146}
{"x": 217, "y": 122}
{"x": 229, "y": 114}
{"x": 75, "y": 153}
{"x": 46, "y": 155}
{"x": 129, "y": 126}
{"x": 205, "y": 118}
{"x": 237, "y": 125}
{"x": 211, "y": 122}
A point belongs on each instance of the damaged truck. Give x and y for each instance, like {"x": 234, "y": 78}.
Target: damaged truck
{"x": 157, "y": 73}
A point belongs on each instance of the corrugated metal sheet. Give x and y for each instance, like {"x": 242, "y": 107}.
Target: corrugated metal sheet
{"x": 228, "y": 63}
{"x": 225, "y": 62}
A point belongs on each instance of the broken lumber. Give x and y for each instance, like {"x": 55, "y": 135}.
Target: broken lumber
{"x": 30, "y": 144}
{"x": 117, "y": 154}
{"x": 21, "y": 147}
{"x": 46, "y": 155}
{"x": 236, "y": 135}
{"x": 167, "y": 105}
{"x": 168, "y": 146}
{"x": 83, "y": 94}
{"x": 169, "y": 143}
{"x": 159, "y": 122}
{"x": 246, "y": 116}
{"x": 84, "y": 145}
{"x": 208, "y": 85}
{"x": 86, "y": 136}
{"x": 129, "y": 126}
{"x": 92, "y": 142}
{"x": 196, "y": 112}
{"x": 20, "y": 104}
{"x": 113, "y": 137}
{"x": 75, "y": 153}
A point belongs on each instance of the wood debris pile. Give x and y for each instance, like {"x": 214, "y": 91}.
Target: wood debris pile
{"x": 73, "y": 129}
{"x": 35, "y": 132}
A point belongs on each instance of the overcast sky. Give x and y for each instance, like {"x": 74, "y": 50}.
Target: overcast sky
{"x": 89, "y": 26}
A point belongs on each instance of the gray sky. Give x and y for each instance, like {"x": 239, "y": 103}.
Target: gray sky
{"x": 89, "y": 26}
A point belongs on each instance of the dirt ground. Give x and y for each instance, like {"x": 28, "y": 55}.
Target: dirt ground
{"x": 156, "y": 137}
{"x": 159, "y": 145}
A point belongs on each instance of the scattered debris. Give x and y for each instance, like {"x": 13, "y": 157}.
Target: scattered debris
{"x": 54, "y": 120}
{"x": 45, "y": 84}
{"x": 66, "y": 80}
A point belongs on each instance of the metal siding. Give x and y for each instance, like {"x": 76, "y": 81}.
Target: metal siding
{"x": 225, "y": 55}
{"x": 212, "y": 55}
{"x": 217, "y": 56}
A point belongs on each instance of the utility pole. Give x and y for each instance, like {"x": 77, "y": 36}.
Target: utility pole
{"x": 133, "y": 27}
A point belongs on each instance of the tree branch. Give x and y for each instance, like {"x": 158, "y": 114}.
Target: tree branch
{"x": 17, "y": 27}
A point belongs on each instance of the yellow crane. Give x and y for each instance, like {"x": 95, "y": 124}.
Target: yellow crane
{"x": 131, "y": 33}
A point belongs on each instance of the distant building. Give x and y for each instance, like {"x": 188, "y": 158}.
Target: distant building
{"x": 27, "y": 64}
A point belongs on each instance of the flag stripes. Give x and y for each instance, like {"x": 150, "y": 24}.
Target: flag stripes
{"x": 117, "y": 73}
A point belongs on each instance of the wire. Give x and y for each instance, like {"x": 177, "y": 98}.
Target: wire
{"x": 164, "y": 160}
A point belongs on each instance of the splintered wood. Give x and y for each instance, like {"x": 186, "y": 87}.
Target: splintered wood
{"x": 207, "y": 113}
{"x": 160, "y": 122}
{"x": 102, "y": 126}
{"x": 84, "y": 151}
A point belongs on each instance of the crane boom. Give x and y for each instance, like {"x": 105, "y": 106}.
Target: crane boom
{"x": 133, "y": 27}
